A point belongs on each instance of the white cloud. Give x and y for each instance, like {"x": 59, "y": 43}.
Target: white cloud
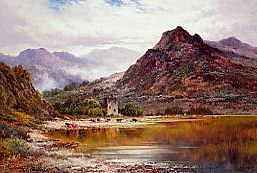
{"x": 81, "y": 27}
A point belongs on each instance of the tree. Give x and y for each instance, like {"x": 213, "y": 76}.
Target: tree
{"x": 199, "y": 111}
{"x": 84, "y": 83}
{"x": 173, "y": 110}
{"x": 71, "y": 86}
{"x": 131, "y": 110}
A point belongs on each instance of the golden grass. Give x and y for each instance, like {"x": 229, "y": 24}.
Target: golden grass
{"x": 22, "y": 116}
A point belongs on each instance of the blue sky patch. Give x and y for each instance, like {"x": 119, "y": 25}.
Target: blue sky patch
{"x": 58, "y": 4}
{"x": 114, "y": 2}
{"x": 120, "y": 2}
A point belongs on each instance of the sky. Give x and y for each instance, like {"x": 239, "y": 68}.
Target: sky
{"x": 79, "y": 26}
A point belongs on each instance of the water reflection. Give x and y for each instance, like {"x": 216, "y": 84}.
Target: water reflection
{"x": 224, "y": 143}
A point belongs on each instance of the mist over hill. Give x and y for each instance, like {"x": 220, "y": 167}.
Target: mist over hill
{"x": 57, "y": 69}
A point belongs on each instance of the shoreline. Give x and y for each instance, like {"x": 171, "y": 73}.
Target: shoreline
{"x": 119, "y": 122}
{"x": 60, "y": 158}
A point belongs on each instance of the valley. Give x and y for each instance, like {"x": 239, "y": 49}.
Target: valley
{"x": 184, "y": 106}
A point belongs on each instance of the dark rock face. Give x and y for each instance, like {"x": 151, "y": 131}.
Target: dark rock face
{"x": 17, "y": 93}
{"x": 183, "y": 66}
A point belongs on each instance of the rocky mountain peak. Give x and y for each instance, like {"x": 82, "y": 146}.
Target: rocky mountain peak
{"x": 177, "y": 35}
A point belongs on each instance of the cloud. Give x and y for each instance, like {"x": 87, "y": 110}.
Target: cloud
{"x": 81, "y": 25}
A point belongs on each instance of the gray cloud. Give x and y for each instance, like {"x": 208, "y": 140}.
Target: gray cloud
{"x": 80, "y": 27}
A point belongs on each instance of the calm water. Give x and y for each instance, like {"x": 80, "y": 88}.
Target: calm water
{"x": 223, "y": 144}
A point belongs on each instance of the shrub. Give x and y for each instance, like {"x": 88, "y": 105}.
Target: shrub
{"x": 199, "y": 111}
{"x": 16, "y": 146}
{"x": 84, "y": 83}
{"x": 173, "y": 110}
{"x": 6, "y": 97}
{"x": 131, "y": 110}
{"x": 71, "y": 86}
{"x": 8, "y": 131}
{"x": 96, "y": 112}
{"x": 90, "y": 103}
{"x": 22, "y": 116}
{"x": 77, "y": 107}
{"x": 8, "y": 117}
{"x": 20, "y": 72}
{"x": 51, "y": 93}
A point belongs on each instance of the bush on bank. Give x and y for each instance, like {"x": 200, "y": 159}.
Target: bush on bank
{"x": 131, "y": 110}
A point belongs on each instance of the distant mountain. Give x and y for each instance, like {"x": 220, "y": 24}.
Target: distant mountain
{"x": 48, "y": 70}
{"x": 57, "y": 69}
{"x": 234, "y": 45}
{"x": 183, "y": 70}
{"x": 18, "y": 94}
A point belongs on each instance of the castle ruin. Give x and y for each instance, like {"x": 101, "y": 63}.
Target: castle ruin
{"x": 112, "y": 106}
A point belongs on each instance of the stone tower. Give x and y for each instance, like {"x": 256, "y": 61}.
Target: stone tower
{"x": 112, "y": 106}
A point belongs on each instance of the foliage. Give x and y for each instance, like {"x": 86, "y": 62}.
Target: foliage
{"x": 51, "y": 93}
{"x": 84, "y": 83}
{"x": 184, "y": 71}
{"x": 6, "y": 97}
{"x": 8, "y": 117}
{"x": 86, "y": 107}
{"x": 96, "y": 112}
{"x": 22, "y": 116}
{"x": 199, "y": 111}
{"x": 18, "y": 93}
{"x": 90, "y": 103}
{"x": 131, "y": 110}
{"x": 71, "y": 86}
{"x": 8, "y": 131}
{"x": 177, "y": 85}
{"x": 145, "y": 79}
{"x": 20, "y": 72}
{"x": 173, "y": 110}
{"x": 15, "y": 146}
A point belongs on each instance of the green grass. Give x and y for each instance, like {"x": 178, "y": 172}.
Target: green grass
{"x": 15, "y": 146}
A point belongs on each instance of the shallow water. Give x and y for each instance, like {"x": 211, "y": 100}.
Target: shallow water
{"x": 226, "y": 144}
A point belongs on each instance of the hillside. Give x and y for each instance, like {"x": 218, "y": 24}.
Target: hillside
{"x": 18, "y": 94}
{"x": 183, "y": 70}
